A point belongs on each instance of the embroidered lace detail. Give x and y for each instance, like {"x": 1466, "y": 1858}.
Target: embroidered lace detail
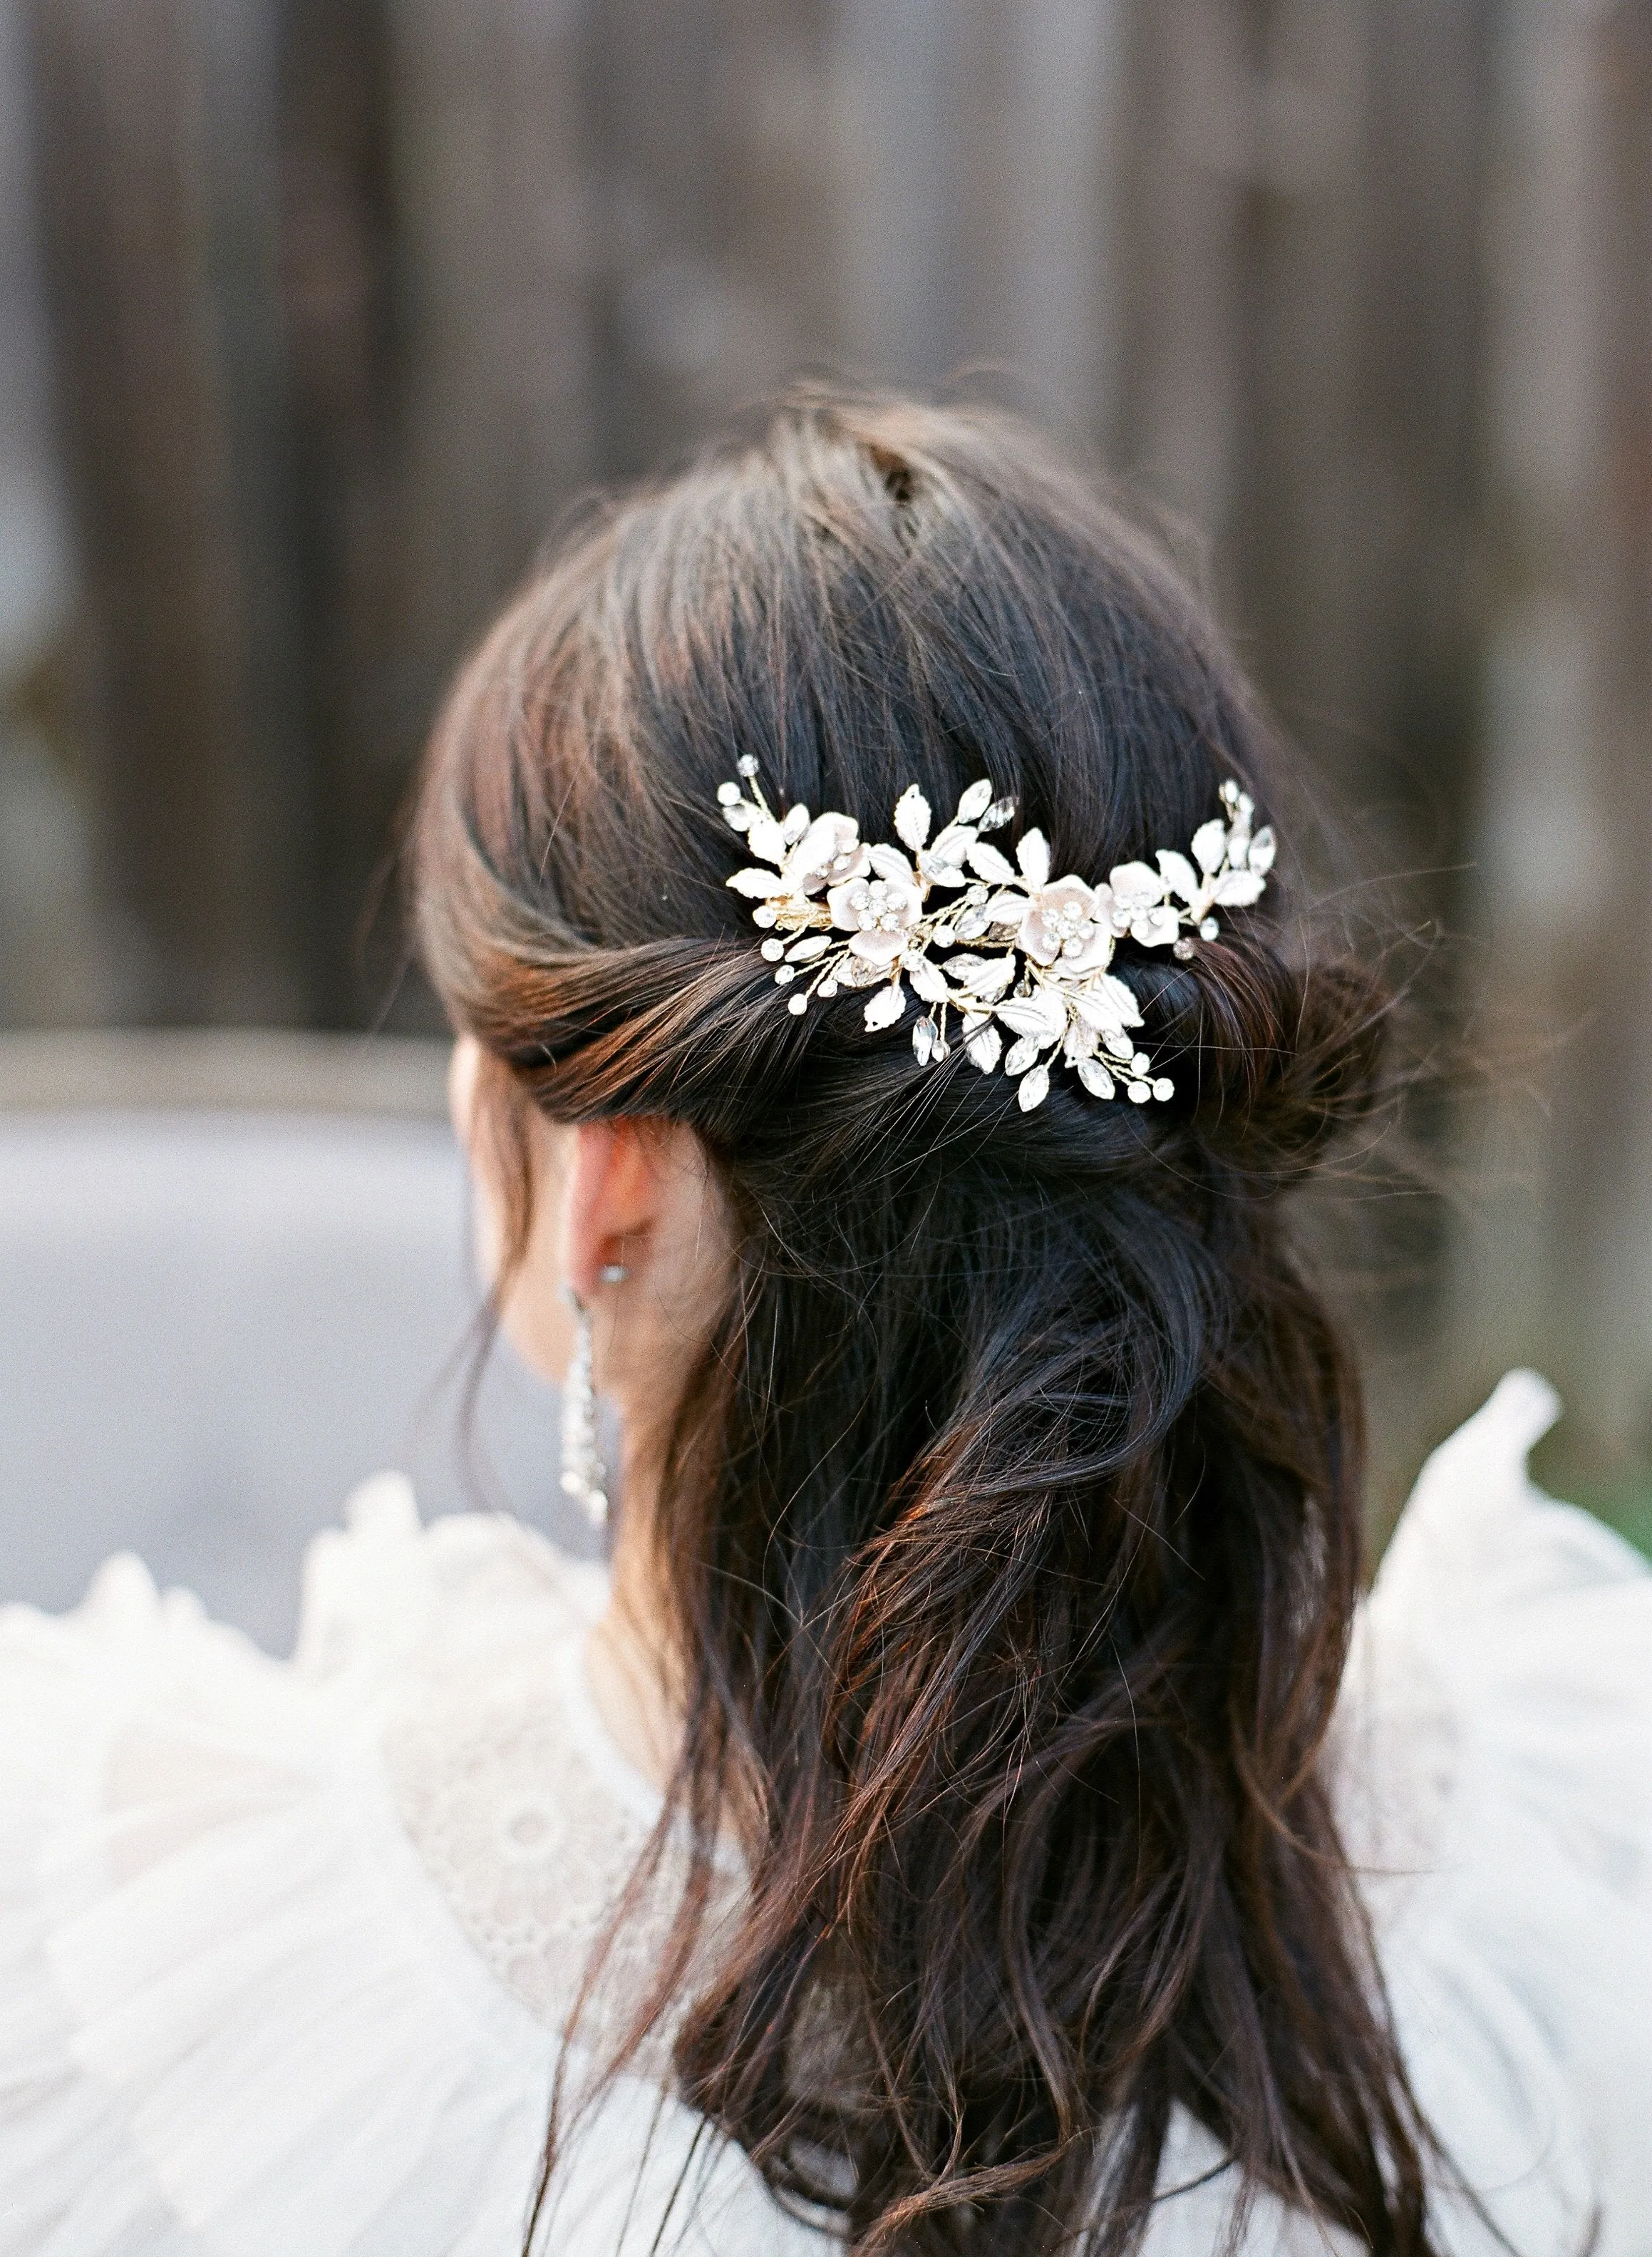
{"x": 525, "y": 1816}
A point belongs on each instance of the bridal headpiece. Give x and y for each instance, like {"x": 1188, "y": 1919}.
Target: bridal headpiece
{"x": 1020, "y": 956}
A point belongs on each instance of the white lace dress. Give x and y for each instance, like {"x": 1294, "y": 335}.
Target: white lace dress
{"x": 285, "y": 1947}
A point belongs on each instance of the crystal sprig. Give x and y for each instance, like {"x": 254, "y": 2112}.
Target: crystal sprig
{"x": 998, "y": 954}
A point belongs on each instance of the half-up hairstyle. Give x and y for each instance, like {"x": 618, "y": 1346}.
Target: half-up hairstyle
{"x": 1012, "y": 1518}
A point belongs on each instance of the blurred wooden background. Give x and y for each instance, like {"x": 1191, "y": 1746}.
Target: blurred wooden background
{"x": 319, "y": 311}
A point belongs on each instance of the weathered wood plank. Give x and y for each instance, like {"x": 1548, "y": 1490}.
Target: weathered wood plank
{"x": 157, "y": 272}
{"x": 1553, "y": 1263}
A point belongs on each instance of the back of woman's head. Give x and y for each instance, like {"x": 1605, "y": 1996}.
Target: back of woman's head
{"x": 1012, "y": 1516}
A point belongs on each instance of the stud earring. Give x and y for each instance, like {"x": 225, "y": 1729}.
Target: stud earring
{"x": 614, "y": 1273}
{"x": 583, "y": 1475}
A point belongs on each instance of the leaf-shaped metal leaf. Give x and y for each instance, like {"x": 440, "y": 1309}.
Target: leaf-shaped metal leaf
{"x": 1237, "y": 890}
{"x": 988, "y": 863}
{"x": 952, "y": 844}
{"x": 912, "y": 817}
{"x": 1004, "y": 911}
{"x": 885, "y": 1006}
{"x": 890, "y": 862}
{"x": 1032, "y": 857}
{"x": 1210, "y": 844}
{"x": 1261, "y": 853}
{"x": 758, "y": 884}
{"x": 1105, "y": 1003}
{"x": 986, "y": 1049}
{"x": 767, "y": 840}
{"x": 985, "y": 976}
{"x": 1040, "y": 1013}
{"x": 1121, "y": 996}
{"x": 927, "y": 980}
{"x": 1178, "y": 873}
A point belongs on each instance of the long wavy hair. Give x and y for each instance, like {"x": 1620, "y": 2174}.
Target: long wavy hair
{"x": 1012, "y": 1518}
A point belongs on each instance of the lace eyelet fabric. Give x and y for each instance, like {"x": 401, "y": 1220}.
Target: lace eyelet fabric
{"x": 526, "y": 1819}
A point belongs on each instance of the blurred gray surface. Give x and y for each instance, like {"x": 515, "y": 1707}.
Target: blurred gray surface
{"x": 213, "y": 1323}
{"x": 224, "y": 1069}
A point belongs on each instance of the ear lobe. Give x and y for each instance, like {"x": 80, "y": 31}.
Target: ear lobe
{"x": 612, "y": 1193}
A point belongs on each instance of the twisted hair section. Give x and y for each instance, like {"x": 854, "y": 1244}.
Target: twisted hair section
{"x": 1012, "y": 1522}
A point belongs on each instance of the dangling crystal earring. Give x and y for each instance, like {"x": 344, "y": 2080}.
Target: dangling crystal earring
{"x": 583, "y": 1473}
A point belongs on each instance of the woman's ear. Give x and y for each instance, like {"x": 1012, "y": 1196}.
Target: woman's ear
{"x": 635, "y": 1195}
{"x": 612, "y": 1191}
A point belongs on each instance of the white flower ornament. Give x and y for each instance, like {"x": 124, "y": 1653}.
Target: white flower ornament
{"x": 840, "y": 913}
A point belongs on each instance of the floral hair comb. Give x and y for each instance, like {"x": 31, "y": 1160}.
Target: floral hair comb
{"x": 1006, "y": 947}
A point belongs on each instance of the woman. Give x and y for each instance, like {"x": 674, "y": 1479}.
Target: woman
{"x": 977, "y": 1813}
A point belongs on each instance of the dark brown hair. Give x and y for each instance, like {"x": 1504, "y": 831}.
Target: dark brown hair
{"x": 1013, "y": 1513}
